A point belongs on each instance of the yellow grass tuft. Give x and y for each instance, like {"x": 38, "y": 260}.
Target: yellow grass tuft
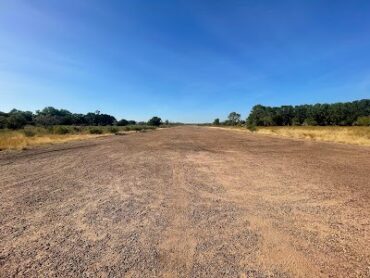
{"x": 17, "y": 140}
{"x": 349, "y": 135}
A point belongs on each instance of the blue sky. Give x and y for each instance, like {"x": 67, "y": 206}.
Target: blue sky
{"x": 188, "y": 61}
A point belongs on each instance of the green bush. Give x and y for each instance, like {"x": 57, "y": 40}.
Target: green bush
{"x": 363, "y": 121}
{"x": 113, "y": 129}
{"x": 251, "y": 127}
{"x": 61, "y": 130}
{"x": 96, "y": 130}
{"x": 155, "y": 121}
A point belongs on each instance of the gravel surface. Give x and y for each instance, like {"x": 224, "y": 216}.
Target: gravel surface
{"x": 186, "y": 202}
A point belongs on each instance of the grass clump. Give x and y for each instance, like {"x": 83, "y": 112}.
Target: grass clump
{"x": 29, "y": 131}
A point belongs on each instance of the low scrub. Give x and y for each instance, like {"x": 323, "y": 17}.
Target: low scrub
{"x": 62, "y": 130}
{"x": 363, "y": 121}
{"x": 96, "y": 130}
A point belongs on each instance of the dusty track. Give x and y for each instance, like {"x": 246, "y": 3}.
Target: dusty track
{"x": 186, "y": 202}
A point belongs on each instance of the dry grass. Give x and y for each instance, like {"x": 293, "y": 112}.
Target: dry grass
{"x": 350, "y": 135}
{"x": 17, "y": 140}
{"x": 33, "y": 136}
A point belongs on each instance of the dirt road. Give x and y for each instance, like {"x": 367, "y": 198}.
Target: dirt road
{"x": 186, "y": 202}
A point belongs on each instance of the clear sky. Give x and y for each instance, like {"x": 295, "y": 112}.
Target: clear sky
{"x": 188, "y": 61}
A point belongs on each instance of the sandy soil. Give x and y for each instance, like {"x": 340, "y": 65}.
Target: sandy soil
{"x": 186, "y": 202}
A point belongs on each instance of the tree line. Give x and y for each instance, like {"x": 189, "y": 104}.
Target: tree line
{"x": 341, "y": 114}
{"x": 50, "y": 116}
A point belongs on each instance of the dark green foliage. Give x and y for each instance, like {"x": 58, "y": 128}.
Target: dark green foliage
{"x": 155, "y": 121}
{"x": 61, "y": 130}
{"x": 233, "y": 118}
{"x": 3, "y": 121}
{"x": 96, "y": 130}
{"x": 122, "y": 122}
{"x": 50, "y": 116}
{"x": 216, "y": 121}
{"x": 99, "y": 119}
{"x": 251, "y": 127}
{"x": 113, "y": 129}
{"x": 319, "y": 114}
{"x": 16, "y": 121}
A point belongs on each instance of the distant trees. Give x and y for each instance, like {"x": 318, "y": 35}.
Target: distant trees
{"x": 155, "y": 121}
{"x": 15, "y": 119}
{"x": 234, "y": 118}
{"x": 50, "y": 116}
{"x": 122, "y": 122}
{"x": 348, "y": 113}
{"x": 99, "y": 119}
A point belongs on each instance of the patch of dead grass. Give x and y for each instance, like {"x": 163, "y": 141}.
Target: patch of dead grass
{"x": 357, "y": 135}
{"x": 349, "y": 135}
{"x": 16, "y": 140}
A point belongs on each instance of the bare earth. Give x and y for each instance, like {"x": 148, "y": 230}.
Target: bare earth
{"x": 186, "y": 202}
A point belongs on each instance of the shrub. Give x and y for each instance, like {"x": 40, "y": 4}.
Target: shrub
{"x": 309, "y": 122}
{"x": 113, "y": 129}
{"x": 61, "y": 130}
{"x": 16, "y": 121}
{"x": 77, "y": 129}
{"x": 251, "y": 127}
{"x": 122, "y": 122}
{"x": 29, "y": 131}
{"x": 95, "y": 130}
{"x": 363, "y": 121}
{"x": 155, "y": 121}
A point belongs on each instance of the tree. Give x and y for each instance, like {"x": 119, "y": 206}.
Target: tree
{"x": 16, "y": 121}
{"x": 155, "y": 121}
{"x": 216, "y": 121}
{"x": 3, "y": 122}
{"x": 233, "y": 118}
{"x": 122, "y": 122}
{"x": 318, "y": 114}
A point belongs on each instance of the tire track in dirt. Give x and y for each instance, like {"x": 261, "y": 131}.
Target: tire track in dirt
{"x": 178, "y": 244}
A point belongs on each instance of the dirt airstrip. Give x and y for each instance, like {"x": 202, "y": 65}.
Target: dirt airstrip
{"x": 186, "y": 202}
